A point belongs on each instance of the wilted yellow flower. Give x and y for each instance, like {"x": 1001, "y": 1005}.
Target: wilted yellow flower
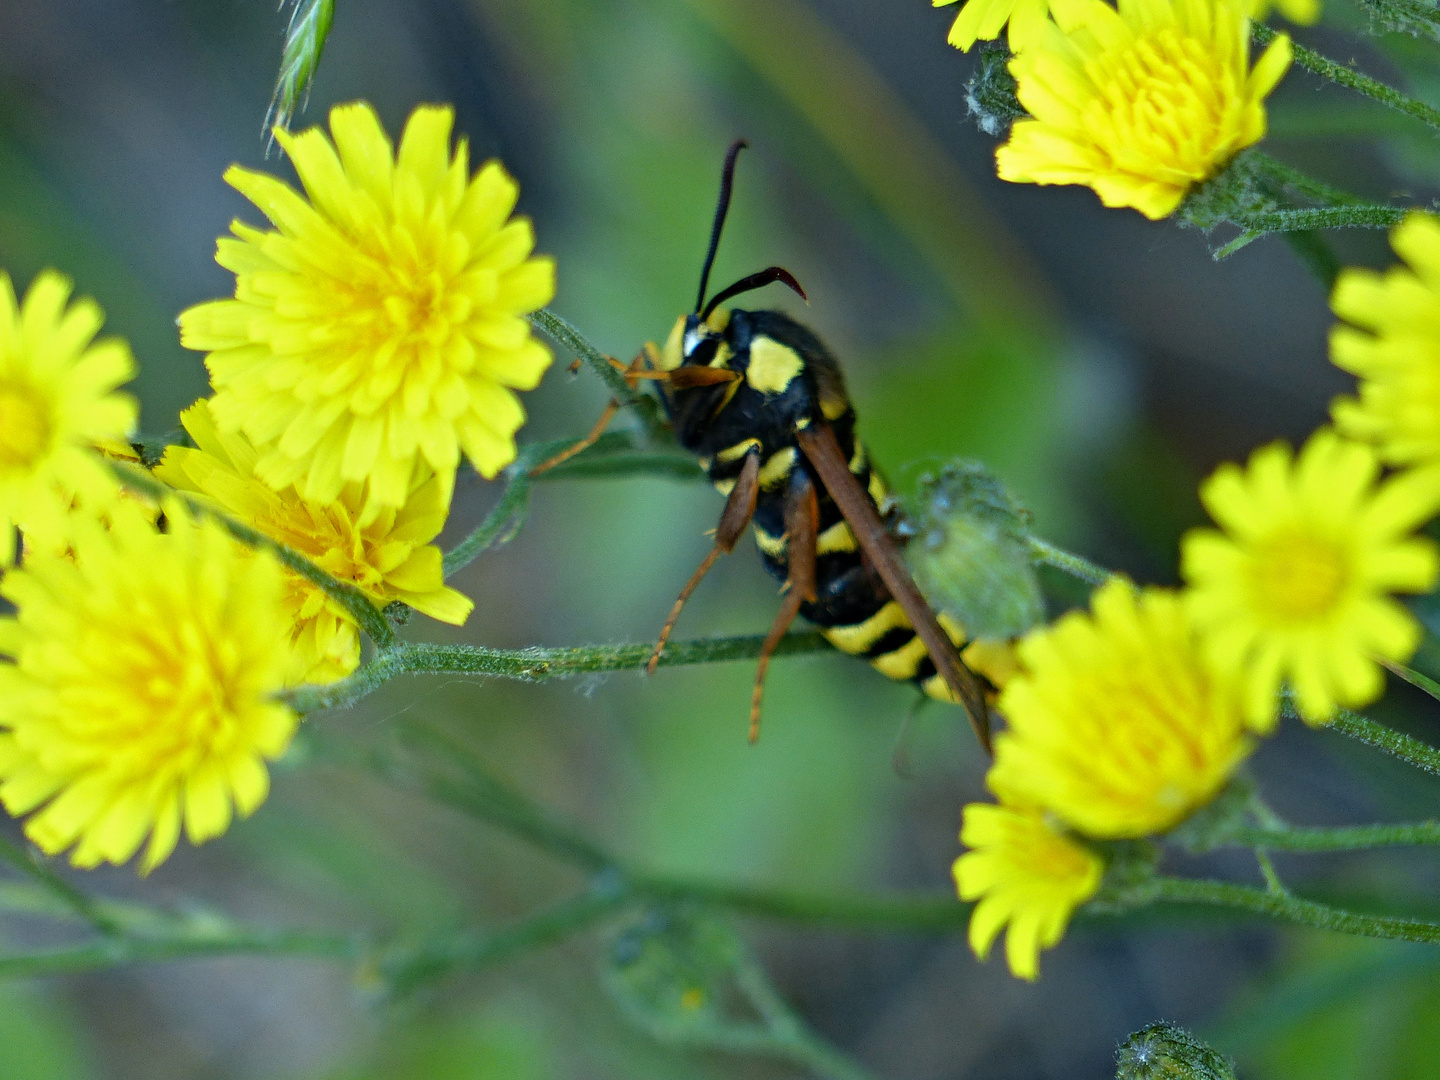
{"x": 1393, "y": 345}
{"x": 1139, "y": 104}
{"x": 391, "y": 558}
{"x": 982, "y": 20}
{"x": 1116, "y": 724}
{"x": 1297, "y": 586}
{"x": 57, "y": 399}
{"x": 1299, "y": 12}
{"x": 140, "y": 693}
{"x": 1025, "y": 874}
{"x": 384, "y": 321}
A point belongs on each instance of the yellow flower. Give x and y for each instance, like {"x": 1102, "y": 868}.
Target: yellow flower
{"x": 1139, "y": 104}
{"x": 1296, "y": 587}
{"x": 57, "y": 399}
{"x": 384, "y": 320}
{"x": 1025, "y": 875}
{"x": 1116, "y": 724}
{"x": 1394, "y": 347}
{"x": 391, "y": 558}
{"x": 140, "y": 693}
{"x": 1299, "y": 12}
{"x": 982, "y": 20}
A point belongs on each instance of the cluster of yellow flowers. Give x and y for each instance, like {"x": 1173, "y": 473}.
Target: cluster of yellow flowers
{"x": 377, "y": 331}
{"x": 1140, "y": 102}
{"x": 1127, "y": 719}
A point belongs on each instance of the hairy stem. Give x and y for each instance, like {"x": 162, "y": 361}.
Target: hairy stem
{"x": 1049, "y": 555}
{"x": 562, "y": 333}
{"x": 1301, "y": 838}
{"x": 1351, "y": 79}
{"x": 1289, "y": 908}
{"x": 1411, "y": 751}
{"x": 503, "y": 521}
{"x": 535, "y": 664}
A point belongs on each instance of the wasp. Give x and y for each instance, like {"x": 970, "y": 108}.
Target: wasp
{"x": 761, "y": 401}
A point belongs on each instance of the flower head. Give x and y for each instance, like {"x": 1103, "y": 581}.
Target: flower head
{"x": 1025, "y": 874}
{"x": 57, "y": 400}
{"x": 1297, "y": 585}
{"x": 1393, "y": 345}
{"x": 982, "y": 20}
{"x": 391, "y": 558}
{"x": 381, "y": 322}
{"x": 140, "y": 691}
{"x": 1141, "y": 103}
{"x": 1116, "y": 724}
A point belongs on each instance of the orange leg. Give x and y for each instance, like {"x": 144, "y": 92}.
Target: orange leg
{"x": 802, "y": 527}
{"x": 739, "y": 508}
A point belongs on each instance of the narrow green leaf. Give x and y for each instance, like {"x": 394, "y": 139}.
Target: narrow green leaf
{"x": 310, "y": 23}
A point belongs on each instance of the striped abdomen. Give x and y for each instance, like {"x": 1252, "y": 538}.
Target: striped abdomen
{"x": 853, "y": 607}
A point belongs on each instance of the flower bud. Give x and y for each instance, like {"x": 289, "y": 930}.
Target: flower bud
{"x": 990, "y": 93}
{"x": 1163, "y": 1051}
{"x": 969, "y": 553}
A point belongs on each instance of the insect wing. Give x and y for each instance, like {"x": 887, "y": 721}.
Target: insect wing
{"x": 818, "y": 442}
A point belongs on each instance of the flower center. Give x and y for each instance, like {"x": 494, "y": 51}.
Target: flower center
{"x": 1297, "y": 577}
{"x": 24, "y": 428}
{"x": 1162, "y": 108}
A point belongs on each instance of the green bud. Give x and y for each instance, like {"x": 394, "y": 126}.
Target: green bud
{"x": 670, "y": 970}
{"x": 1165, "y": 1052}
{"x": 990, "y": 93}
{"x": 970, "y": 555}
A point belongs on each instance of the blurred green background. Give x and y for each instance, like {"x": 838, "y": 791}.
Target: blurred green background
{"x": 1099, "y": 363}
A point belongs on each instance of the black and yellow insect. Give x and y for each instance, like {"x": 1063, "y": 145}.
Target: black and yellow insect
{"x": 761, "y": 401}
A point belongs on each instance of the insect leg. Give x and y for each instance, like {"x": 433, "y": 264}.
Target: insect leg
{"x": 636, "y": 370}
{"x": 739, "y": 508}
{"x": 802, "y": 529}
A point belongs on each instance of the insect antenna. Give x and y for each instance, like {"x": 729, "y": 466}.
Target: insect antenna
{"x": 755, "y": 281}
{"x": 722, "y": 208}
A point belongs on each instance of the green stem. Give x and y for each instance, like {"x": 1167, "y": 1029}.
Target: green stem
{"x": 1360, "y": 216}
{"x": 1289, "y": 908}
{"x": 534, "y": 664}
{"x": 1288, "y": 177}
{"x": 563, "y": 333}
{"x": 405, "y": 970}
{"x": 791, "y": 1037}
{"x": 503, "y": 521}
{"x": 1411, "y": 751}
{"x": 117, "y": 951}
{"x": 1049, "y": 555}
{"x": 1302, "y": 838}
{"x": 1351, "y": 79}
{"x": 366, "y": 615}
{"x": 72, "y": 898}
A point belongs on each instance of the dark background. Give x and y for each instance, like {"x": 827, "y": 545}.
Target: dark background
{"x": 1100, "y": 363}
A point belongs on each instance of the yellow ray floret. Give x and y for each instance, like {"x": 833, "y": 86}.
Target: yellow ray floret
{"x": 1297, "y": 586}
{"x": 139, "y": 693}
{"x": 1116, "y": 724}
{"x": 1139, "y": 104}
{"x": 982, "y": 20}
{"x": 1393, "y": 345}
{"x": 1299, "y": 12}
{"x": 390, "y": 558}
{"x": 382, "y": 321}
{"x": 1026, "y": 875}
{"x": 57, "y": 400}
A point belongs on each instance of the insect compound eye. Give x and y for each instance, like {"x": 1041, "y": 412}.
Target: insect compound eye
{"x": 702, "y": 351}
